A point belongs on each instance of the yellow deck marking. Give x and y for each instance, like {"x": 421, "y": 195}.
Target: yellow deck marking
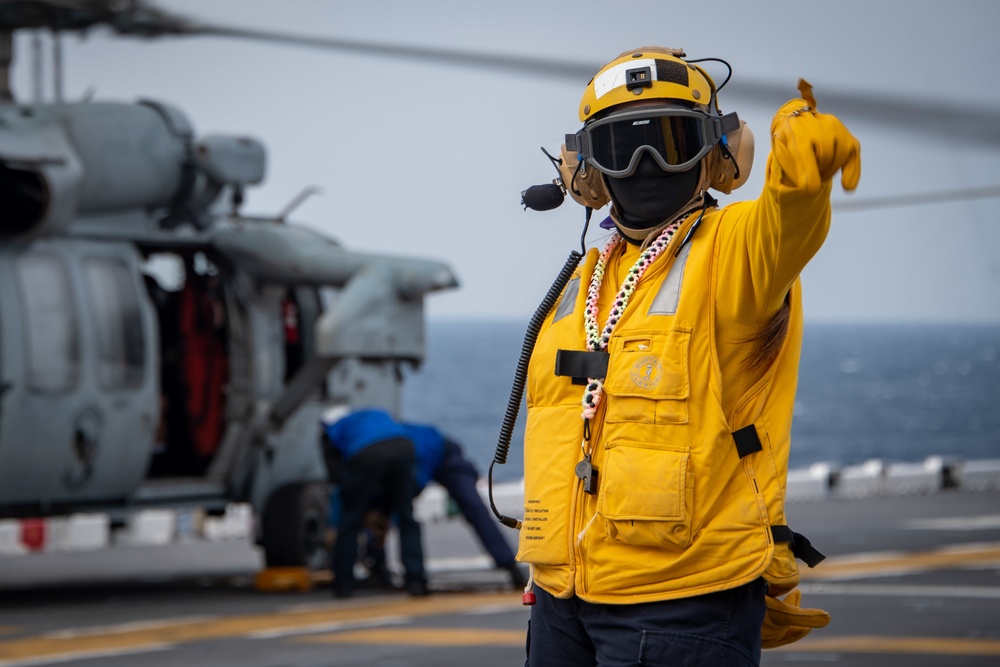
{"x": 897, "y": 645}
{"x": 423, "y": 637}
{"x": 37, "y": 648}
{"x": 847, "y": 567}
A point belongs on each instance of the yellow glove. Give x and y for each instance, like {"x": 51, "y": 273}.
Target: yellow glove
{"x": 808, "y": 148}
{"x": 786, "y": 622}
{"x": 782, "y": 574}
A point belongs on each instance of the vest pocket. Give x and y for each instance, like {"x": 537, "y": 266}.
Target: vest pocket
{"x": 646, "y": 495}
{"x": 648, "y": 378}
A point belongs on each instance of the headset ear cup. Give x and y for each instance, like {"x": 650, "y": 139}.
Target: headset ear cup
{"x": 585, "y": 186}
{"x": 743, "y": 153}
{"x": 729, "y": 174}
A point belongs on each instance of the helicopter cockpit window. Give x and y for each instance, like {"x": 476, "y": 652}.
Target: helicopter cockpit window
{"x": 51, "y": 341}
{"x": 121, "y": 346}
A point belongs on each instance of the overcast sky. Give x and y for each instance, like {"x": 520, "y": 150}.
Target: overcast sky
{"x": 429, "y": 160}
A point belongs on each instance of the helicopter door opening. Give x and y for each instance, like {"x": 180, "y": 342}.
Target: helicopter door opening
{"x": 25, "y": 197}
{"x": 291, "y": 324}
{"x": 187, "y": 291}
{"x": 300, "y": 308}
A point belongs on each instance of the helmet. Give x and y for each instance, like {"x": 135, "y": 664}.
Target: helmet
{"x": 650, "y": 72}
{"x": 682, "y": 130}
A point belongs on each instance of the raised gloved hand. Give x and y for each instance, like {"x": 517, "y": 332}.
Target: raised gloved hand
{"x": 808, "y": 148}
{"x": 786, "y": 622}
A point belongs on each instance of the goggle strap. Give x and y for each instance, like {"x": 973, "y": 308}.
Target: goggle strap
{"x": 720, "y": 126}
{"x": 573, "y": 142}
{"x": 579, "y": 143}
{"x": 730, "y": 123}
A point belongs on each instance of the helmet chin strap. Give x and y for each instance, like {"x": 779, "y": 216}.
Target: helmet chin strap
{"x": 645, "y": 235}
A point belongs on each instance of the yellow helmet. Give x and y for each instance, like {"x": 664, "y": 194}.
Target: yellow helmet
{"x": 650, "y": 72}
{"x": 685, "y": 130}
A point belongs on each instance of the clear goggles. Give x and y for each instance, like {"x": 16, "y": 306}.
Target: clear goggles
{"x": 676, "y": 137}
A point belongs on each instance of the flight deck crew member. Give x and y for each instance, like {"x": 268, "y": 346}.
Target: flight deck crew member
{"x": 439, "y": 458}
{"x": 655, "y": 461}
{"x": 377, "y": 462}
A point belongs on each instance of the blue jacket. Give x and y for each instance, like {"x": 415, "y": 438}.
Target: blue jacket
{"x": 362, "y": 428}
{"x": 428, "y": 447}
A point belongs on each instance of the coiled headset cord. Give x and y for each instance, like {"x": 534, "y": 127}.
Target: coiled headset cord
{"x": 521, "y": 374}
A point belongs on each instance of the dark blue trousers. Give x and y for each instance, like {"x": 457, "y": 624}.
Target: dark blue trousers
{"x": 715, "y": 630}
{"x": 383, "y": 470}
{"x": 458, "y": 477}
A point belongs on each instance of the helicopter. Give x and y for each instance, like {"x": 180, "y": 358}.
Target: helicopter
{"x": 158, "y": 347}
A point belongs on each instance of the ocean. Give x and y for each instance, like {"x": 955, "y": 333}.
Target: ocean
{"x": 896, "y": 392}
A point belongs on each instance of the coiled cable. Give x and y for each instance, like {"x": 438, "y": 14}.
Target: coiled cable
{"x": 521, "y": 376}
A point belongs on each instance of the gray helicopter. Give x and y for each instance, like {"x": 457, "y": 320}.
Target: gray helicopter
{"x": 159, "y": 348}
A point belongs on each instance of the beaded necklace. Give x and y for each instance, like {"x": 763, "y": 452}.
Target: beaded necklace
{"x": 597, "y": 341}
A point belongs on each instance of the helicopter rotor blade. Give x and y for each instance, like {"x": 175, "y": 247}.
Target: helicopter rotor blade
{"x": 915, "y": 199}
{"x": 546, "y": 68}
{"x": 965, "y": 124}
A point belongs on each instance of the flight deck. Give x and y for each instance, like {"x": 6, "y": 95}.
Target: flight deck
{"x": 908, "y": 580}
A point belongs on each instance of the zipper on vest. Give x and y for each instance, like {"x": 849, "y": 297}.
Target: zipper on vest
{"x": 583, "y": 518}
{"x": 759, "y": 499}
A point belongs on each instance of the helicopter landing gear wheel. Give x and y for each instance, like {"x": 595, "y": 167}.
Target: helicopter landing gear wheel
{"x": 294, "y": 527}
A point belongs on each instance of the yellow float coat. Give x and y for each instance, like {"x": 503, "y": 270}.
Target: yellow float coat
{"x": 677, "y": 512}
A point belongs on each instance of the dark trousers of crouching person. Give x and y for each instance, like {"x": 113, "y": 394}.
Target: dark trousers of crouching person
{"x": 383, "y": 469}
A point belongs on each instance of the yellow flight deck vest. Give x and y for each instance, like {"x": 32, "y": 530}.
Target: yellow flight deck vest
{"x": 679, "y": 508}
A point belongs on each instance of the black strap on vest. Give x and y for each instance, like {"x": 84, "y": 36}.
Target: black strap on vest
{"x": 801, "y": 547}
{"x": 747, "y": 440}
{"x": 581, "y": 365}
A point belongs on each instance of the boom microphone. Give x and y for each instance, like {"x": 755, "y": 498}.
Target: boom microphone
{"x": 543, "y": 197}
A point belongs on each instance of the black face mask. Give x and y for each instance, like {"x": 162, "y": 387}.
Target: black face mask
{"x": 651, "y": 196}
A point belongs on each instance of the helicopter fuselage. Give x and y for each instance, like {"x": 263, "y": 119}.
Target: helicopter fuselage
{"x": 158, "y": 350}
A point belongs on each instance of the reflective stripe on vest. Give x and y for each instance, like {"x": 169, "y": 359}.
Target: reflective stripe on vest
{"x": 669, "y": 294}
{"x": 568, "y": 301}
